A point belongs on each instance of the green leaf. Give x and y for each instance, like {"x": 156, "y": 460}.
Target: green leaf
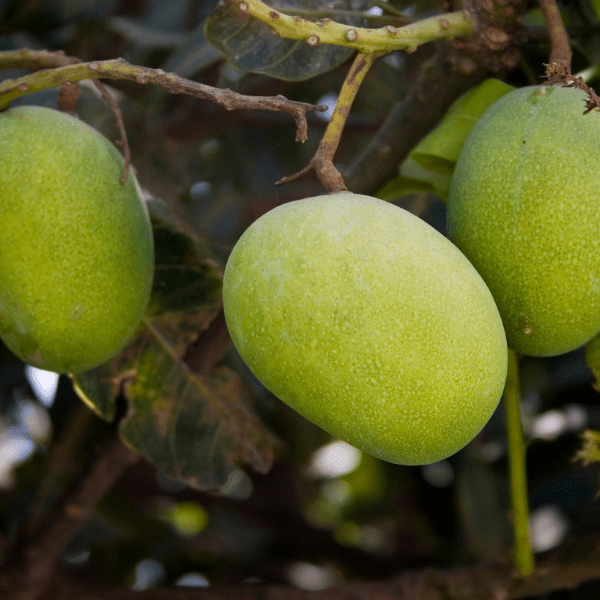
{"x": 595, "y": 4}
{"x": 479, "y": 493}
{"x": 414, "y": 178}
{"x": 439, "y": 150}
{"x": 99, "y": 387}
{"x": 185, "y": 281}
{"x": 193, "y": 428}
{"x": 185, "y": 278}
{"x": 196, "y": 428}
{"x": 590, "y": 449}
{"x": 251, "y": 45}
{"x": 535, "y": 18}
{"x": 430, "y": 165}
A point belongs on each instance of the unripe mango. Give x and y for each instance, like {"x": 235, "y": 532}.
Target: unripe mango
{"x": 76, "y": 249}
{"x": 368, "y": 322}
{"x": 524, "y": 207}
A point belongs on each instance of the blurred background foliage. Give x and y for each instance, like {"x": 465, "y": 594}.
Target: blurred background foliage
{"x": 324, "y": 513}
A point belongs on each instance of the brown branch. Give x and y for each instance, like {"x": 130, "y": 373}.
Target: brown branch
{"x": 59, "y": 456}
{"x": 456, "y": 67}
{"x": 567, "y": 567}
{"x": 210, "y": 347}
{"x": 31, "y": 566}
{"x": 120, "y": 69}
{"x": 322, "y": 161}
{"x": 68, "y": 95}
{"x": 560, "y": 52}
{"x": 442, "y": 79}
{"x": 123, "y": 142}
{"x": 560, "y": 74}
{"x": 558, "y": 69}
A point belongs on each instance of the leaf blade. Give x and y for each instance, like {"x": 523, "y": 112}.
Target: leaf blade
{"x": 252, "y": 46}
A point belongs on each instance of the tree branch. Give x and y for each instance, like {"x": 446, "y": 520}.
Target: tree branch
{"x": 442, "y": 79}
{"x": 558, "y": 69}
{"x": 397, "y": 19}
{"x": 383, "y": 39}
{"x": 322, "y": 161}
{"x": 209, "y": 349}
{"x": 560, "y": 52}
{"x": 120, "y": 69}
{"x": 31, "y": 566}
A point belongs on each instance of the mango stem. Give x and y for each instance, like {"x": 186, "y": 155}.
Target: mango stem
{"x": 523, "y": 554}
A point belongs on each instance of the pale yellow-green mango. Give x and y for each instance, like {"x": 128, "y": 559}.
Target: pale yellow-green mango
{"x": 368, "y": 322}
{"x": 76, "y": 249}
{"x": 524, "y": 207}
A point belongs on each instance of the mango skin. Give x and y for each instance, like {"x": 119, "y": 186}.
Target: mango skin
{"x": 370, "y": 323}
{"x": 524, "y": 207}
{"x": 76, "y": 248}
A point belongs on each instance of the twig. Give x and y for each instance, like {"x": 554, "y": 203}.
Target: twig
{"x": 123, "y": 142}
{"x": 209, "y": 349}
{"x": 523, "y": 555}
{"x": 36, "y": 59}
{"x": 27, "y": 572}
{"x": 120, "y": 69}
{"x": 560, "y": 52}
{"x": 322, "y": 161}
{"x": 558, "y": 69}
{"x": 68, "y": 94}
{"x": 383, "y": 39}
{"x": 60, "y": 454}
{"x": 563, "y": 76}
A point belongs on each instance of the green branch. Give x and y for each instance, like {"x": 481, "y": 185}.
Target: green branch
{"x": 398, "y": 20}
{"x": 322, "y": 161}
{"x": 50, "y": 77}
{"x": 523, "y": 555}
{"x": 381, "y": 40}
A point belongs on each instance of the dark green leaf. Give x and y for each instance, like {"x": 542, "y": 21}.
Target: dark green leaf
{"x": 480, "y": 495}
{"x": 251, "y": 45}
{"x": 99, "y": 387}
{"x": 414, "y": 178}
{"x": 185, "y": 280}
{"x": 191, "y": 427}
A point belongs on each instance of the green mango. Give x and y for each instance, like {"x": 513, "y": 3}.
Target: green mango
{"x": 76, "y": 248}
{"x": 370, "y": 323}
{"x": 524, "y": 208}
